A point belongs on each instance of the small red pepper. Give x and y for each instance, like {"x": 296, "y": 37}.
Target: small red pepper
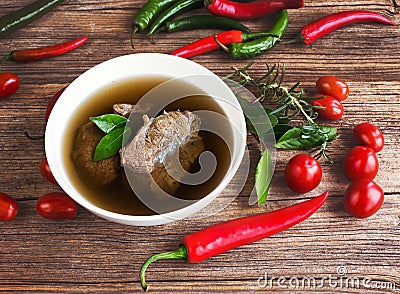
{"x": 225, "y": 236}
{"x": 27, "y": 55}
{"x": 327, "y": 24}
{"x": 215, "y": 42}
{"x": 249, "y": 10}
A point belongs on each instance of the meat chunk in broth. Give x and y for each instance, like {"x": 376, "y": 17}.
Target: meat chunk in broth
{"x": 86, "y": 140}
{"x": 160, "y": 137}
{"x": 188, "y": 153}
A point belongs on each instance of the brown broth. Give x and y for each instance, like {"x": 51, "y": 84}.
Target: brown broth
{"x": 118, "y": 196}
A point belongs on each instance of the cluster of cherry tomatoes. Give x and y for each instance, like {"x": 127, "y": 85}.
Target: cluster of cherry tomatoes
{"x": 364, "y": 197}
{"x": 333, "y": 91}
{"x": 303, "y": 173}
{"x": 54, "y": 206}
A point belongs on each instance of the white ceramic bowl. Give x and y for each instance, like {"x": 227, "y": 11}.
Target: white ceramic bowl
{"x": 131, "y": 66}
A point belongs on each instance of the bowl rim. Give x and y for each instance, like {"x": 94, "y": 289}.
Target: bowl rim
{"x": 125, "y": 60}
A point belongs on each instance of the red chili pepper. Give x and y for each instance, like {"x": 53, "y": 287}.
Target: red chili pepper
{"x": 215, "y": 42}
{"x": 225, "y": 236}
{"x": 249, "y": 10}
{"x": 209, "y": 43}
{"x": 45, "y": 52}
{"x": 325, "y": 25}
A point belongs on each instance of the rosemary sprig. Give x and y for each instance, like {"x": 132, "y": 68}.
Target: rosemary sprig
{"x": 291, "y": 102}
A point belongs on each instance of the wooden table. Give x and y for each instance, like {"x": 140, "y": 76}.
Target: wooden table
{"x": 91, "y": 255}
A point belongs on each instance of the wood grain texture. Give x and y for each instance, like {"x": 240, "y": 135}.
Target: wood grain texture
{"x": 91, "y": 255}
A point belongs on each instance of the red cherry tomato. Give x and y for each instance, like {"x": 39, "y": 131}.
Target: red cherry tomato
{"x": 46, "y": 172}
{"x": 56, "y": 206}
{"x": 361, "y": 163}
{"x": 332, "y": 108}
{"x": 8, "y": 207}
{"x": 53, "y": 101}
{"x": 363, "y": 198}
{"x": 332, "y": 86}
{"x": 303, "y": 173}
{"x": 9, "y": 84}
{"x": 367, "y": 134}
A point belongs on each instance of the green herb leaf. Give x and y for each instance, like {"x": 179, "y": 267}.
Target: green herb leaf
{"x": 280, "y": 130}
{"x": 110, "y": 144}
{"x": 263, "y": 176}
{"x": 259, "y": 126}
{"x": 108, "y": 122}
{"x": 281, "y": 127}
{"x": 256, "y": 118}
{"x": 299, "y": 138}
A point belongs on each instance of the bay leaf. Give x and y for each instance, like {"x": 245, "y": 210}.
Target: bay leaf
{"x": 263, "y": 176}
{"x": 108, "y": 122}
{"x": 110, "y": 144}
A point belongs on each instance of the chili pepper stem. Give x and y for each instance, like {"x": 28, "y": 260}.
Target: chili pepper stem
{"x": 34, "y": 138}
{"x": 292, "y": 41}
{"x": 135, "y": 29}
{"x": 151, "y": 38}
{"x": 180, "y": 253}
{"x": 223, "y": 47}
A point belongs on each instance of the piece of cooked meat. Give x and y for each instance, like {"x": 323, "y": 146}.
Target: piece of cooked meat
{"x": 86, "y": 140}
{"x": 157, "y": 141}
{"x": 123, "y": 109}
{"x": 188, "y": 153}
{"x": 126, "y": 109}
{"x": 158, "y": 137}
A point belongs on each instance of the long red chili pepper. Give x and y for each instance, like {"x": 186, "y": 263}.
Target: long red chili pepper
{"x": 225, "y": 236}
{"x": 325, "y": 25}
{"x": 27, "y": 55}
{"x": 249, "y": 10}
{"x": 214, "y": 42}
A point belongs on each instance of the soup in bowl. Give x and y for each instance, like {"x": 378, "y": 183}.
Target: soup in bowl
{"x": 145, "y": 139}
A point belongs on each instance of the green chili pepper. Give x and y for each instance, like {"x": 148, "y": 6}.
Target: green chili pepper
{"x": 147, "y": 13}
{"x": 259, "y": 46}
{"x": 176, "y": 9}
{"x": 19, "y": 18}
{"x": 204, "y": 22}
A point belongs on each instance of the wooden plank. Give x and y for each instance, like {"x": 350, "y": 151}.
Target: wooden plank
{"x": 92, "y": 255}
